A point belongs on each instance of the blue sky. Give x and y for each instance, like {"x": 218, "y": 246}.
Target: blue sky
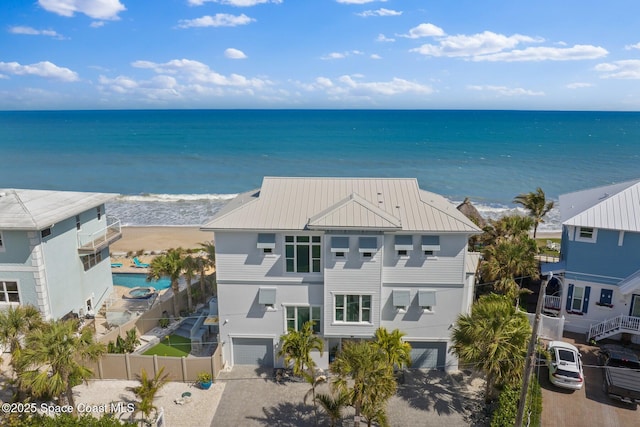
{"x": 413, "y": 54}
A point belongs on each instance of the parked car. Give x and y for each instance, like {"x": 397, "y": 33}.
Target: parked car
{"x": 565, "y": 365}
{"x": 621, "y": 373}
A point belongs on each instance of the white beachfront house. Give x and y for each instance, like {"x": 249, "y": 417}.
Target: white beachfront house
{"x": 351, "y": 254}
{"x": 54, "y": 250}
{"x": 596, "y": 284}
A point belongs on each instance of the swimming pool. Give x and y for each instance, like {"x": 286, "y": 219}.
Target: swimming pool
{"x": 135, "y": 280}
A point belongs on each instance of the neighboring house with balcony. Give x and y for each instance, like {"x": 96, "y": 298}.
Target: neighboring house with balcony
{"x": 351, "y": 254}
{"x": 596, "y": 284}
{"x": 54, "y": 250}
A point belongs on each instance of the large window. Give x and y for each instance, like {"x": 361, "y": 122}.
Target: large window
{"x": 353, "y": 308}
{"x": 302, "y": 254}
{"x": 9, "y": 292}
{"x": 91, "y": 260}
{"x": 298, "y": 316}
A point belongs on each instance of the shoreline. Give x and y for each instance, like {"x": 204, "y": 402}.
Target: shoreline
{"x": 159, "y": 238}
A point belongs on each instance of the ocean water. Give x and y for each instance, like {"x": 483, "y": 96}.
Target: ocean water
{"x": 178, "y": 167}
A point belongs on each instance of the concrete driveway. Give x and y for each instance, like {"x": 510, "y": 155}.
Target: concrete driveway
{"x": 589, "y": 406}
{"x": 427, "y": 398}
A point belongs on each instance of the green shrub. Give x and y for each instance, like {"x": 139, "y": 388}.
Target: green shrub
{"x": 505, "y": 413}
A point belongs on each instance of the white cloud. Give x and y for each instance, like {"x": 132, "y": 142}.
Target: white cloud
{"x": 158, "y": 88}
{"x": 575, "y": 53}
{"x": 383, "y": 38}
{"x": 341, "y": 55}
{"x": 379, "y": 12}
{"x": 632, "y": 46}
{"x": 375, "y": 56}
{"x": 424, "y": 30}
{"x": 505, "y": 91}
{"x": 197, "y": 72}
{"x": 351, "y": 86}
{"x": 578, "y": 85}
{"x": 358, "y": 1}
{"x": 625, "y": 69}
{"x": 29, "y": 31}
{"x": 97, "y": 24}
{"x": 236, "y": 3}
{"x": 232, "y": 53}
{"x": 42, "y": 69}
{"x": 96, "y": 9}
{"x": 478, "y": 44}
{"x": 218, "y": 20}
{"x": 334, "y": 55}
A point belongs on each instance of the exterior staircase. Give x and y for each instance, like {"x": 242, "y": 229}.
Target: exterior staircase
{"x": 613, "y": 326}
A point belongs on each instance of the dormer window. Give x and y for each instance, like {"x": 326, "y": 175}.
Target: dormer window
{"x": 403, "y": 244}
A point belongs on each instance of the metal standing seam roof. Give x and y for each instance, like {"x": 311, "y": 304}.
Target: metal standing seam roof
{"x": 615, "y": 207}
{"x": 39, "y": 209}
{"x": 341, "y": 203}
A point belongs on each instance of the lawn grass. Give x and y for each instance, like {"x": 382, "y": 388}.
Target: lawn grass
{"x": 173, "y": 345}
{"x": 543, "y": 249}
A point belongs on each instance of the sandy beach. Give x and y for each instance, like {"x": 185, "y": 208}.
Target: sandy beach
{"x": 151, "y": 239}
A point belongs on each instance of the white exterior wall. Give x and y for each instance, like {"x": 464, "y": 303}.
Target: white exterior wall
{"x": 445, "y": 267}
{"x": 242, "y": 316}
{"x": 353, "y": 276}
{"x": 239, "y": 260}
{"x": 595, "y": 313}
{"x": 242, "y": 269}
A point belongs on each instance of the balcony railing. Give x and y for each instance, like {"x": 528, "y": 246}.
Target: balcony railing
{"x": 91, "y": 243}
{"x": 552, "y": 302}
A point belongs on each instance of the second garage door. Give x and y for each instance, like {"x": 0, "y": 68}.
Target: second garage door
{"x": 253, "y": 351}
{"x": 428, "y": 355}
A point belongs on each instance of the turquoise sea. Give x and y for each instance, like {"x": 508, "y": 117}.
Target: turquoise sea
{"x": 177, "y": 167}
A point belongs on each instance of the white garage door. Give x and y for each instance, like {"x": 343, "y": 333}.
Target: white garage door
{"x": 428, "y": 355}
{"x": 253, "y": 351}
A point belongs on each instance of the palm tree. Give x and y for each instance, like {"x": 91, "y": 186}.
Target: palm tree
{"x": 397, "y": 351}
{"x": 15, "y": 322}
{"x": 510, "y": 227}
{"x": 536, "y": 203}
{"x": 313, "y": 382}
{"x": 364, "y": 374}
{"x": 189, "y": 267}
{"x": 147, "y": 391}
{"x": 333, "y": 405}
{"x": 494, "y": 338}
{"x": 297, "y": 346}
{"x": 506, "y": 260}
{"x": 171, "y": 265}
{"x": 61, "y": 349}
{"x": 208, "y": 261}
